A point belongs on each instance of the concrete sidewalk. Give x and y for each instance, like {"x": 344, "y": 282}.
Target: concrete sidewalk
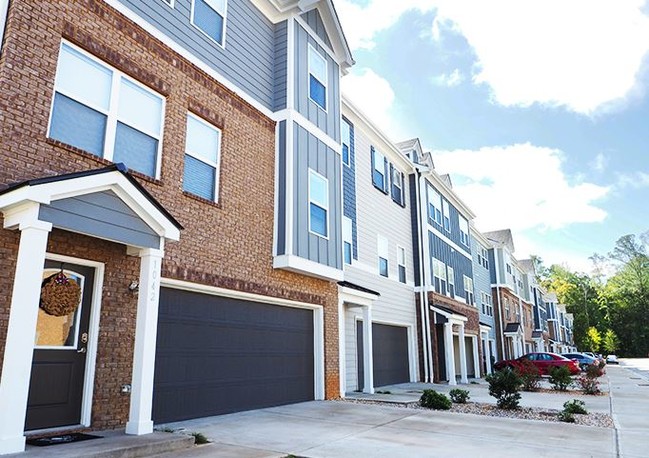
{"x": 630, "y": 407}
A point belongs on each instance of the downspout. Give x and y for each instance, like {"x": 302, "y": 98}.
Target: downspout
{"x": 500, "y": 305}
{"x": 423, "y": 296}
{"x": 4, "y": 9}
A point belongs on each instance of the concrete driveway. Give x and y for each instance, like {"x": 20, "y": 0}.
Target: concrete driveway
{"x": 344, "y": 429}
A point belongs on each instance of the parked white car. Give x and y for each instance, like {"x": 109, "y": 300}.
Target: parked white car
{"x": 612, "y": 359}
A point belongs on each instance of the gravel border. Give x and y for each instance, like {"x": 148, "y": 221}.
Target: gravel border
{"x": 524, "y": 413}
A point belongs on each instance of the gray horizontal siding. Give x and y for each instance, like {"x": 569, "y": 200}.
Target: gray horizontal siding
{"x": 280, "y": 68}
{"x": 314, "y": 20}
{"x": 249, "y": 55}
{"x": 311, "y": 153}
{"x": 481, "y": 283}
{"x": 101, "y": 215}
{"x": 328, "y": 121}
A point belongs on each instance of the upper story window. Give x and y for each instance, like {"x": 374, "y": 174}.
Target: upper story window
{"x": 102, "y": 111}
{"x": 483, "y": 260}
{"x": 464, "y": 231}
{"x": 487, "y": 306}
{"x": 398, "y": 194}
{"x": 209, "y": 17}
{"x": 439, "y": 276}
{"x": 318, "y": 204}
{"x": 202, "y": 158}
{"x": 446, "y": 214}
{"x": 509, "y": 268}
{"x": 434, "y": 205}
{"x": 508, "y": 312}
{"x": 382, "y": 246}
{"x": 451, "y": 281}
{"x": 468, "y": 290}
{"x": 379, "y": 171}
{"x": 347, "y": 240}
{"x": 401, "y": 262}
{"x": 346, "y": 139}
{"x": 317, "y": 78}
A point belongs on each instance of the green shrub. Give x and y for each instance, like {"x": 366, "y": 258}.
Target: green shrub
{"x": 459, "y": 396}
{"x": 566, "y": 417}
{"x": 505, "y": 386}
{"x": 560, "y": 378}
{"x": 594, "y": 370}
{"x": 200, "y": 438}
{"x": 589, "y": 382}
{"x": 575, "y": 407}
{"x": 529, "y": 374}
{"x": 431, "y": 399}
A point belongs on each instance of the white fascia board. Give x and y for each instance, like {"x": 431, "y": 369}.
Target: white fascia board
{"x": 185, "y": 53}
{"x": 300, "y": 265}
{"x": 377, "y": 137}
{"x": 291, "y": 116}
{"x": 352, "y": 296}
{"x": 450, "y": 242}
{"x": 479, "y": 236}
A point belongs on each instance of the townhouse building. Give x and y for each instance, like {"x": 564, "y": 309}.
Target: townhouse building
{"x": 172, "y": 170}
{"x": 540, "y": 335}
{"x": 554, "y": 328}
{"x": 378, "y": 331}
{"x": 449, "y": 318}
{"x": 483, "y": 297}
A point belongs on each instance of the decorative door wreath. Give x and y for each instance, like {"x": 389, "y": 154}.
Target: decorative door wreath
{"x": 60, "y": 295}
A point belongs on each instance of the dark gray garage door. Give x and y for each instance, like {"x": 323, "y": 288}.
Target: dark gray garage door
{"x": 217, "y": 355}
{"x": 390, "y": 355}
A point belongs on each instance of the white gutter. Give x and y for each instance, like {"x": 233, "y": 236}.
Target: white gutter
{"x": 423, "y": 293}
{"x": 4, "y": 9}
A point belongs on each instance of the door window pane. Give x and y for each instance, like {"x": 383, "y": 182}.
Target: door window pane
{"x": 59, "y": 331}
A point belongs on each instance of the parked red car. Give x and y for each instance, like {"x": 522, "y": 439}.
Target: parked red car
{"x": 544, "y": 361}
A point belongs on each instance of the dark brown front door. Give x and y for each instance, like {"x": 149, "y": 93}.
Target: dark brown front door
{"x": 59, "y": 365}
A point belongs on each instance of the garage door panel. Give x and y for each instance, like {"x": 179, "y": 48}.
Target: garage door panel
{"x": 219, "y": 355}
{"x": 390, "y": 354}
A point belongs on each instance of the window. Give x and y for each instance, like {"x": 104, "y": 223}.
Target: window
{"x": 397, "y": 186}
{"x": 434, "y": 205}
{"x": 401, "y": 262}
{"x": 451, "y": 281}
{"x": 102, "y": 111}
{"x": 382, "y": 245}
{"x": 318, "y": 204}
{"x": 439, "y": 276}
{"x": 317, "y": 78}
{"x": 209, "y": 17}
{"x": 468, "y": 290}
{"x": 379, "y": 171}
{"x": 347, "y": 240}
{"x": 509, "y": 268}
{"x": 169, "y": 2}
{"x": 487, "y": 306}
{"x": 464, "y": 231}
{"x": 202, "y": 157}
{"x": 446, "y": 214}
{"x": 346, "y": 138}
{"x": 507, "y": 310}
{"x": 483, "y": 260}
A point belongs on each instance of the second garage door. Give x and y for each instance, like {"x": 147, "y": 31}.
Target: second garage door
{"x": 218, "y": 355}
{"x": 390, "y": 355}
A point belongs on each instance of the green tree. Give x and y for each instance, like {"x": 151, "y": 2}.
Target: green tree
{"x": 593, "y": 339}
{"x": 610, "y": 342}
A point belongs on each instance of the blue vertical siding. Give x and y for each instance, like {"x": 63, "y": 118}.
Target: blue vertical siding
{"x": 248, "y": 57}
{"x": 349, "y": 190}
{"x": 314, "y": 20}
{"x": 454, "y": 220}
{"x": 461, "y": 265}
{"x": 481, "y": 284}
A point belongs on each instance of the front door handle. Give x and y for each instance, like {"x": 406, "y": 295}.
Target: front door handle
{"x": 81, "y": 350}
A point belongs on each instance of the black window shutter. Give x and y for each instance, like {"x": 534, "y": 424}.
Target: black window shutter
{"x": 391, "y": 183}
{"x": 372, "y": 152}
{"x": 403, "y": 190}
{"x": 386, "y": 180}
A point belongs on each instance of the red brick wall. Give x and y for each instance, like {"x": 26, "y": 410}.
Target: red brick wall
{"x": 228, "y": 244}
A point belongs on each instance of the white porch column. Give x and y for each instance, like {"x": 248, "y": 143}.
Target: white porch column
{"x": 342, "y": 370}
{"x": 21, "y": 331}
{"x": 146, "y": 328}
{"x": 476, "y": 355}
{"x": 368, "y": 360}
{"x": 450, "y": 353}
{"x": 463, "y": 375}
{"x": 487, "y": 351}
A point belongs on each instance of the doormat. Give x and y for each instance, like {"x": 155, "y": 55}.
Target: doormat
{"x": 61, "y": 439}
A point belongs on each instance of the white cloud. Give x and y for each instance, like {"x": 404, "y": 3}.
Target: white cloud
{"x": 521, "y": 187}
{"x": 527, "y": 246}
{"x": 448, "y": 79}
{"x": 599, "y": 163}
{"x": 634, "y": 180}
{"x": 585, "y": 55}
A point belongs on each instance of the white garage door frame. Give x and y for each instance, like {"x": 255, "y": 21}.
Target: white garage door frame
{"x": 318, "y": 320}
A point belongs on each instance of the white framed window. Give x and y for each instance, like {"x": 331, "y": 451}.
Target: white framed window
{"x": 401, "y": 263}
{"x": 439, "y": 276}
{"x": 509, "y": 268}
{"x": 169, "y": 2}
{"x": 202, "y": 158}
{"x": 464, "y": 230}
{"x": 382, "y": 248}
{"x": 508, "y": 312}
{"x": 318, "y": 79}
{"x": 483, "y": 260}
{"x": 318, "y": 204}
{"x": 451, "y": 281}
{"x": 434, "y": 205}
{"x": 346, "y": 140}
{"x": 379, "y": 170}
{"x": 398, "y": 194}
{"x": 209, "y": 17}
{"x": 487, "y": 306}
{"x": 468, "y": 290}
{"x": 100, "y": 110}
{"x": 446, "y": 214}
{"x": 347, "y": 240}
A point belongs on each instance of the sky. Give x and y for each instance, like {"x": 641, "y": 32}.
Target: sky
{"x": 538, "y": 109}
